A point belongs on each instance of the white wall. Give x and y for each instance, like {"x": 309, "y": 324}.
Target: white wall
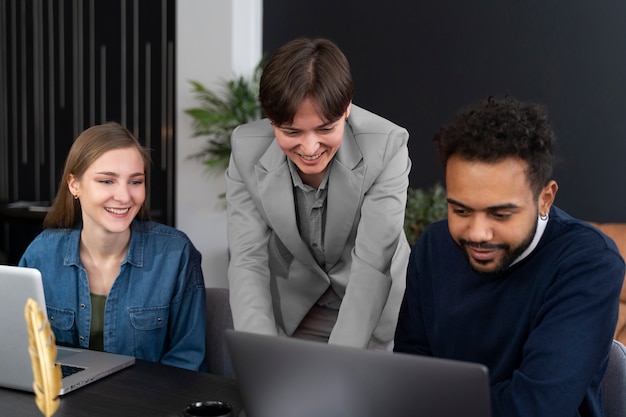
{"x": 215, "y": 40}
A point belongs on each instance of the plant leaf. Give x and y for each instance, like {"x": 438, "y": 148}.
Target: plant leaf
{"x": 219, "y": 112}
{"x": 423, "y": 206}
{"x": 43, "y": 353}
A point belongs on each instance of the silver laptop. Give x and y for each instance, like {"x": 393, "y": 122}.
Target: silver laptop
{"x": 79, "y": 366}
{"x": 287, "y": 377}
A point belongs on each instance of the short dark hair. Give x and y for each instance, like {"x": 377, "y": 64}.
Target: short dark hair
{"x": 306, "y": 68}
{"x": 495, "y": 129}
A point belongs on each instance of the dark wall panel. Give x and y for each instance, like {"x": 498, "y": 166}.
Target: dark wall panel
{"x": 418, "y": 63}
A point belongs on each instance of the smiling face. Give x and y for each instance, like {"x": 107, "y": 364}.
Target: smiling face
{"x": 492, "y": 212}
{"x": 111, "y": 191}
{"x": 310, "y": 142}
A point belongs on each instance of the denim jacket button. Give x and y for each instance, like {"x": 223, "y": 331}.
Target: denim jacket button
{"x": 82, "y": 306}
{"x": 82, "y": 338}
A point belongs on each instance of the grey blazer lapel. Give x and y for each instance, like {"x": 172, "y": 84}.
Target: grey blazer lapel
{"x": 276, "y": 194}
{"x": 345, "y": 187}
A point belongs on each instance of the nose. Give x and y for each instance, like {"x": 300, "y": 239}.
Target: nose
{"x": 310, "y": 144}
{"x": 121, "y": 193}
{"x": 479, "y": 228}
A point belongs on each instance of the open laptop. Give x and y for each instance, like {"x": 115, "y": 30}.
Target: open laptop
{"x": 79, "y": 366}
{"x": 287, "y": 377}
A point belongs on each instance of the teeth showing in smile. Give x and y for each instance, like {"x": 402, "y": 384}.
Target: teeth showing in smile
{"x": 310, "y": 158}
{"x": 117, "y": 211}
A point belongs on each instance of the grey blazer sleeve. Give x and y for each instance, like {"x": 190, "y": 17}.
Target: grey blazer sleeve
{"x": 248, "y": 237}
{"x": 379, "y": 253}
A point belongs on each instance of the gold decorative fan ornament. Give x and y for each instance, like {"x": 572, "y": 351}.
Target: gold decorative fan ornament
{"x": 43, "y": 353}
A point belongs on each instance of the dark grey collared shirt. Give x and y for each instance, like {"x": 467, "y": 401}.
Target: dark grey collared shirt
{"x": 311, "y": 218}
{"x": 311, "y": 212}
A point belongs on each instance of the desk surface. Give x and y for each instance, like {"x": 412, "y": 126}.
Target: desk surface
{"x": 145, "y": 389}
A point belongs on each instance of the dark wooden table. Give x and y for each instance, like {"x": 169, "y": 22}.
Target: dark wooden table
{"x": 145, "y": 389}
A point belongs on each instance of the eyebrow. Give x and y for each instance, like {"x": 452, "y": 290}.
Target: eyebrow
{"x": 491, "y": 208}
{"x": 115, "y": 174}
{"x": 316, "y": 127}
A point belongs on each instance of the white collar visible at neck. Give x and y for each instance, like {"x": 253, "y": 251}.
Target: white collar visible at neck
{"x": 541, "y": 227}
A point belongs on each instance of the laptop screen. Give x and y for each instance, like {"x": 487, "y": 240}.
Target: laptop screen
{"x": 287, "y": 377}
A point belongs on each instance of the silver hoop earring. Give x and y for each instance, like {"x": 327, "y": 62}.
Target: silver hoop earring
{"x": 543, "y": 217}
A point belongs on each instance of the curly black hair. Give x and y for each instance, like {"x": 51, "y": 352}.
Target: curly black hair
{"x": 495, "y": 129}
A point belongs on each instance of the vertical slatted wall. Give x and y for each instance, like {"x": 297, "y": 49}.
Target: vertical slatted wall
{"x": 69, "y": 64}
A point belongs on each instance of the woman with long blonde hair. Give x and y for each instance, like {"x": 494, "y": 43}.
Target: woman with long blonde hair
{"x": 114, "y": 280}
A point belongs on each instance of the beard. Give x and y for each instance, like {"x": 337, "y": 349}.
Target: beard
{"x": 509, "y": 256}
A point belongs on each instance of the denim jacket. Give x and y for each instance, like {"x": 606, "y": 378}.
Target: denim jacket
{"x": 156, "y": 307}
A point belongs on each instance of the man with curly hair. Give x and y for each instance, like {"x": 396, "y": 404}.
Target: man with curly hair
{"x": 508, "y": 279}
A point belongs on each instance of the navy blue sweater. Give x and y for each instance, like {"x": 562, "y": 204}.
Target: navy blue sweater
{"x": 544, "y": 327}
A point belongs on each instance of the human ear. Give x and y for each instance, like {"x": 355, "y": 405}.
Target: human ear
{"x": 73, "y": 185}
{"x": 547, "y": 197}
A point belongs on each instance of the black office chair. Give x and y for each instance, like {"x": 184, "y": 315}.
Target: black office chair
{"x": 614, "y": 382}
{"x": 218, "y": 319}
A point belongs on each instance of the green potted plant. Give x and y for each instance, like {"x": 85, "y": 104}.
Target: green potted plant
{"x": 219, "y": 112}
{"x": 423, "y": 206}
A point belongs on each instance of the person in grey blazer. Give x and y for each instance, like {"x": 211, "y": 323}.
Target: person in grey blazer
{"x": 316, "y": 195}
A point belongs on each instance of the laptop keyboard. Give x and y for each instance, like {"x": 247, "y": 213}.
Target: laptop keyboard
{"x": 67, "y": 370}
